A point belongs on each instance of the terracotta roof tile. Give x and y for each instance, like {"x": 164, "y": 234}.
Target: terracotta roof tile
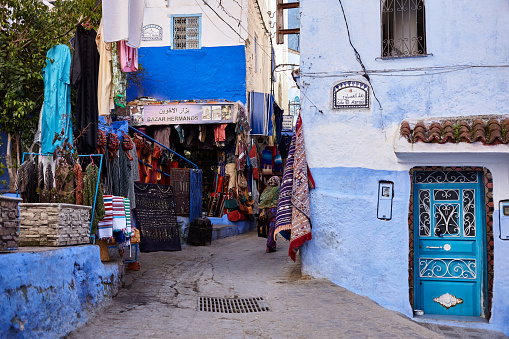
{"x": 448, "y": 133}
{"x": 405, "y": 130}
{"x": 505, "y": 123}
{"x": 490, "y": 132}
{"x": 435, "y": 133}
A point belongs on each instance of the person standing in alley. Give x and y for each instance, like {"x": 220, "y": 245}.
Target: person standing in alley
{"x": 268, "y": 202}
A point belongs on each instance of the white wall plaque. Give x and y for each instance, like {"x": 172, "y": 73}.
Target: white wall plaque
{"x": 152, "y": 33}
{"x": 350, "y": 94}
{"x": 287, "y": 123}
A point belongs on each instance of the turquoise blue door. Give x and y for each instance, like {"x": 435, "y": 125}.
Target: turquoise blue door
{"x": 449, "y": 242}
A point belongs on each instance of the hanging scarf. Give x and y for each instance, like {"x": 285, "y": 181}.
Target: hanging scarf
{"x": 293, "y": 212}
{"x": 80, "y": 184}
{"x": 105, "y": 227}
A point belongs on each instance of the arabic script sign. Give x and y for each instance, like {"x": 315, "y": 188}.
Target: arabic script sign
{"x": 350, "y": 94}
{"x": 174, "y": 114}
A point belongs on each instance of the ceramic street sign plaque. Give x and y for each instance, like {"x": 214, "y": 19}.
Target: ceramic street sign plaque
{"x": 350, "y": 94}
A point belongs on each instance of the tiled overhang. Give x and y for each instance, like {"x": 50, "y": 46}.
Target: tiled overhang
{"x": 477, "y": 135}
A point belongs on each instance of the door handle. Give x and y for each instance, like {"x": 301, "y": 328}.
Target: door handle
{"x": 434, "y": 247}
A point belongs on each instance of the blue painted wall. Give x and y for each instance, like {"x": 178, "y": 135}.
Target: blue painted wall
{"x": 349, "y": 150}
{"x": 350, "y": 245}
{"x": 205, "y": 73}
{"x": 48, "y": 294}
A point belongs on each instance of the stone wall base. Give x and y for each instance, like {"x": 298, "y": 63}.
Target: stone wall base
{"x": 9, "y": 223}
{"x": 54, "y": 224}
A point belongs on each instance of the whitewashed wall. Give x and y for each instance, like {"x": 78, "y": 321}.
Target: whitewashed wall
{"x": 215, "y": 32}
{"x": 349, "y": 151}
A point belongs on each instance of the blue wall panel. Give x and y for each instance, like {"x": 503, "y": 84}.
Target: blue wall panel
{"x": 193, "y": 74}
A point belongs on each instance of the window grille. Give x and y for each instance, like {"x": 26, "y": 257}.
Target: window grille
{"x": 403, "y": 28}
{"x": 186, "y": 32}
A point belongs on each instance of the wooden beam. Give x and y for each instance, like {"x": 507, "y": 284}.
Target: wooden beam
{"x": 288, "y": 5}
{"x": 289, "y": 31}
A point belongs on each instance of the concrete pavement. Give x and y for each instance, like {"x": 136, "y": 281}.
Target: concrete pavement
{"x": 161, "y": 300}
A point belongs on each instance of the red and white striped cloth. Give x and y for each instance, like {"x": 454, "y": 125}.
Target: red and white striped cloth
{"x": 105, "y": 226}
{"x": 119, "y": 221}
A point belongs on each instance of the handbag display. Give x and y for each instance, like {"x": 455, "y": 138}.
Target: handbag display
{"x": 235, "y": 216}
{"x": 231, "y": 203}
{"x": 241, "y": 181}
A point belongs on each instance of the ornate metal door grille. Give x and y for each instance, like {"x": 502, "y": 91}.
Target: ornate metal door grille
{"x": 403, "y": 28}
{"x": 186, "y": 32}
{"x": 224, "y": 305}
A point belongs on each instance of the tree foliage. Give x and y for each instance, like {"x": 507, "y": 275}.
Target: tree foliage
{"x": 28, "y": 29}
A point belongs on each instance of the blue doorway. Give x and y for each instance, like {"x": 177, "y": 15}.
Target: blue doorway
{"x": 449, "y": 242}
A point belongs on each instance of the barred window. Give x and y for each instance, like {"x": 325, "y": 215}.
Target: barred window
{"x": 403, "y": 28}
{"x": 186, "y": 32}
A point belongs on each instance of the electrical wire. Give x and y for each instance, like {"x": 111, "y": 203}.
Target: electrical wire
{"x": 212, "y": 21}
{"x": 260, "y": 45}
{"x": 220, "y": 17}
{"x": 423, "y": 71}
{"x": 358, "y": 57}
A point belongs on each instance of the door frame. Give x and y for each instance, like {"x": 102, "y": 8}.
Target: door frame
{"x": 487, "y": 281}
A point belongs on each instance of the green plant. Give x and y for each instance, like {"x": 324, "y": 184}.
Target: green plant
{"x": 28, "y": 29}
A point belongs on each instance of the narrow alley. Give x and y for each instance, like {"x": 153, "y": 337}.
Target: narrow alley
{"x": 161, "y": 300}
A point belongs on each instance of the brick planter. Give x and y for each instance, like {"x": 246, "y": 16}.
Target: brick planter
{"x": 54, "y": 224}
{"x": 9, "y": 223}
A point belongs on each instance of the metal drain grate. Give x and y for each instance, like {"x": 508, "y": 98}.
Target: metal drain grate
{"x": 223, "y": 305}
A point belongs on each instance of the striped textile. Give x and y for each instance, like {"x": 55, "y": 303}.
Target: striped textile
{"x": 105, "y": 226}
{"x": 284, "y": 205}
{"x": 119, "y": 221}
{"x": 301, "y": 214}
{"x": 293, "y": 218}
{"x": 127, "y": 208}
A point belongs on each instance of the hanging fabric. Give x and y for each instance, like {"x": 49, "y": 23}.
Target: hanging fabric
{"x": 56, "y": 111}
{"x": 105, "y": 226}
{"x": 293, "y": 219}
{"x": 123, "y": 20}
{"x": 104, "y": 84}
{"x": 128, "y": 57}
{"x": 84, "y": 77}
{"x": 260, "y": 112}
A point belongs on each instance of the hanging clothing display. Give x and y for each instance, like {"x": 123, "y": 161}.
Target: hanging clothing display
{"x": 162, "y": 134}
{"x": 56, "y": 110}
{"x": 105, "y": 227}
{"x": 26, "y": 183}
{"x": 84, "y": 77}
{"x": 104, "y": 84}
{"x": 260, "y": 113}
{"x": 293, "y": 219}
{"x": 278, "y": 120}
{"x": 115, "y": 14}
{"x": 119, "y": 222}
{"x": 123, "y": 20}
{"x": 136, "y": 11}
{"x": 80, "y": 184}
{"x": 128, "y": 57}
{"x": 118, "y": 78}
{"x": 127, "y": 211}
